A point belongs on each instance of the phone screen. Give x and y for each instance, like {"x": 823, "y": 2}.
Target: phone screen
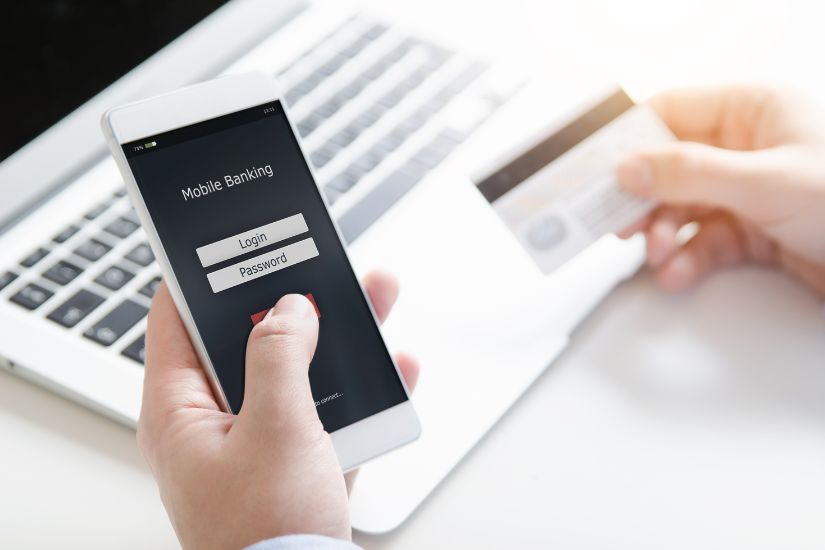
{"x": 243, "y": 223}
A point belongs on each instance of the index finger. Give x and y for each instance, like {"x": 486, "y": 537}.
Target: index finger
{"x": 704, "y": 114}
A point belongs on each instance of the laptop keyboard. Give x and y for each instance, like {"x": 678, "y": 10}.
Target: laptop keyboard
{"x": 376, "y": 109}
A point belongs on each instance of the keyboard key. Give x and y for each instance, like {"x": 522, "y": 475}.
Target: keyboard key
{"x": 365, "y": 120}
{"x": 430, "y": 157}
{"x": 379, "y": 200}
{"x": 324, "y": 110}
{"x": 121, "y": 227}
{"x": 401, "y": 132}
{"x": 355, "y": 172}
{"x": 432, "y": 105}
{"x": 343, "y": 137}
{"x": 327, "y": 69}
{"x": 136, "y": 350}
{"x": 413, "y": 123}
{"x": 435, "y": 103}
{"x": 309, "y": 83}
{"x": 319, "y": 159}
{"x": 141, "y": 255}
{"x": 66, "y": 234}
{"x": 342, "y": 182}
{"x": 437, "y": 150}
{"x": 31, "y": 296}
{"x": 76, "y": 308}
{"x": 378, "y": 153}
{"x": 355, "y": 48}
{"x": 292, "y": 96}
{"x": 367, "y": 162}
{"x": 392, "y": 98}
{"x": 376, "y": 70}
{"x": 34, "y": 257}
{"x": 374, "y": 31}
{"x": 414, "y": 79}
{"x": 349, "y": 91}
{"x": 322, "y": 42}
{"x": 92, "y": 250}
{"x": 304, "y": 129}
{"x": 336, "y": 102}
{"x": 466, "y": 76}
{"x": 309, "y": 124}
{"x": 449, "y": 137}
{"x": 414, "y": 169}
{"x": 313, "y": 121}
{"x": 362, "y": 81}
{"x": 402, "y": 87}
{"x": 62, "y": 272}
{"x": 395, "y": 54}
{"x": 116, "y": 323}
{"x": 330, "y": 149}
{"x": 332, "y": 66}
{"x": 132, "y": 216}
{"x": 332, "y": 195}
{"x": 114, "y": 278}
{"x": 391, "y": 142}
{"x": 437, "y": 55}
{"x": 97, "y": 211}
{"x": 453, "y": 134}
{"x": 376, "y": 110}
{"x": 306, "y": 85}
{"x": 6, "y": 279}
{"x": 150, "y": 288}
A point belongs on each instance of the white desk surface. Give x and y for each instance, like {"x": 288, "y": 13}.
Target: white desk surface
{"x": 670, "y": 422}
{"x": 678, "y": 422}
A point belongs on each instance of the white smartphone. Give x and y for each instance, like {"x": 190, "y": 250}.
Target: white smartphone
{"x": 234, "y": 216}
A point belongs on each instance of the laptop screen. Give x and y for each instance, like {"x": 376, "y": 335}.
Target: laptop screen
{"x": 60, "y": 53}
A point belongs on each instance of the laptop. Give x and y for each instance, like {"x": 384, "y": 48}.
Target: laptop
{"x": 395, "y": 117}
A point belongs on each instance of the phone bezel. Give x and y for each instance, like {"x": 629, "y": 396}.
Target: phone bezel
{"x": 355, "y": 443}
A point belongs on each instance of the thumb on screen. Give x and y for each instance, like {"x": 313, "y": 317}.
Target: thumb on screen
{"x": 278, "y": 354}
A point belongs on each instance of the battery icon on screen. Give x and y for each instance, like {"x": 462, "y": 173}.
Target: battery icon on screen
{"x": 150, "y": 144}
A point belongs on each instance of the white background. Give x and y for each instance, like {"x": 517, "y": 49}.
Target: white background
{"x": 678, "y": 422}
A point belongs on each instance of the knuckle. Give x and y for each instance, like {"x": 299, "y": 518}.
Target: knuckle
{"x": 278, "y": 326}
{"x": 284, "y": 335}
{"x": 685, "y": 163}
{"x": 768, "y": 96}
{"x": 678, "y": 161}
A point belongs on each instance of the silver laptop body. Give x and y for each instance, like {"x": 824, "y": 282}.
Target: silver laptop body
{"x": 395, "y": 118}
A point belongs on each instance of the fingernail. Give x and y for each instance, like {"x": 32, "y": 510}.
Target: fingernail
{"x": 292, "y": 304}
{"x": 634, "y": 176}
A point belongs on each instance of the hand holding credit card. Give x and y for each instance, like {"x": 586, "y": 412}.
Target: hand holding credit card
{"x": 558, "y": 194}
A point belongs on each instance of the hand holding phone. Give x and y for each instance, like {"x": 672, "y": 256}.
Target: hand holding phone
{"x": 227, "y": 480}
{"x": 236, "y": 220}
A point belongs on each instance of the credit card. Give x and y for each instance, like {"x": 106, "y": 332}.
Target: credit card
{"x": 558, "y": 194}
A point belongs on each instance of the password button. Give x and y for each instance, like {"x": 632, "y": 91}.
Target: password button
{"x": 263, "y": 264}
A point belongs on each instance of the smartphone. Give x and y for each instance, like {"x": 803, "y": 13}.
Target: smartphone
{"x": 234, "y": 216}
